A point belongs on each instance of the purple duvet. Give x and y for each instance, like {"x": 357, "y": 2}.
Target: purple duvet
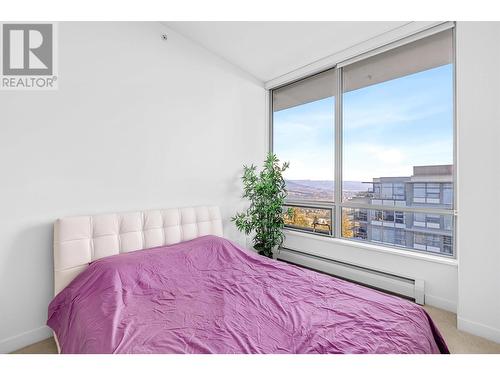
{"x": 210, "y": 296}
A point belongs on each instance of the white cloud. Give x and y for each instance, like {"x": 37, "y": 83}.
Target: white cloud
{"x": 403, "y": 110}
{"x": 364, "y": 161}
{"x": 384, "y": 154}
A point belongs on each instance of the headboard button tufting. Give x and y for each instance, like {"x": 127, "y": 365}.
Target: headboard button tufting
{"x": 80, "y": 240}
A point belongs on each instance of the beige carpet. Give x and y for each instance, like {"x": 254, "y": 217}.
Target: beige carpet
{"x": 458, "y": 342}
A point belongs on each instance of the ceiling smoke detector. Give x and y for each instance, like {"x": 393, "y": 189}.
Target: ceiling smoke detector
{"x": 164, "y": 36}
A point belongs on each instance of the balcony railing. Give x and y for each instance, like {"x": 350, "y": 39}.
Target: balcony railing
{"x": 390, "y": 227}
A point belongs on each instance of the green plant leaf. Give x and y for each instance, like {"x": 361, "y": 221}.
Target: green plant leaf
{"x": 266, "y": 192}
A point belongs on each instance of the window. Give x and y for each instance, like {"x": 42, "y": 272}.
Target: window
{"x": 372, "y": 140}
{"x": 391, "y": 191}
{"x": 361, "y": 215}
{"x": 388, "y": 216}
{"x": 303, "y": 127}
{"x": 386, "y": 191}
{"x": 389, "y": 236}
{"x": 419, "y": 220}
{"x": 448, "y": 194}
{"x": 448, "y": 222}
{"x": 360, "y": 232}
{"x": 400, "y": 217}
{"x": 376, "y": 234}
{"x": 447, "y": 245}
{"x": 433, "y": 221}
{"x": 433, "y": 192}
{"x": 419, "y": 193}
{"x": 400, "y": 238}
{"x": 354, "y": 224}
{"x": 399, "y": 191}
{"x": 428, "y": 242}
{"x": 310, "y": 219}
{"x": 379, "y": 215}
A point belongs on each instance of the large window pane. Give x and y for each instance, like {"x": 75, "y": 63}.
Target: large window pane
{"x": 398, "y": 124}
{"x": 303, "y": 134}
{"x": 398, "y": 138}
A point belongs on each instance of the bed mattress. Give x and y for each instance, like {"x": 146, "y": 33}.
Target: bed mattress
{"x": 209, "y": 295}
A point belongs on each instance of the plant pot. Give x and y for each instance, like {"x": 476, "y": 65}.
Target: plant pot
{"x": 275, "y": 253}
{"x": 263, "y": 251}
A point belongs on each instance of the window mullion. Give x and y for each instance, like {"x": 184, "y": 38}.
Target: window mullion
{"x": 338, "y": 155}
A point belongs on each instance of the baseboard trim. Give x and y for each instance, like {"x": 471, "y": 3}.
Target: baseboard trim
{"x": 441, "y": 303}
{"x": 478, "y": 329}
{"x": 13, "y": 343}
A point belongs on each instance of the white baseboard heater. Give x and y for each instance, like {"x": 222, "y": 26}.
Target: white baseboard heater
{"x": 397, "y": 284}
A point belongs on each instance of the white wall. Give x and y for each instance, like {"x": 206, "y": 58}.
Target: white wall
{"x": 478, "y": 85}
{"x": 137, "y": 123}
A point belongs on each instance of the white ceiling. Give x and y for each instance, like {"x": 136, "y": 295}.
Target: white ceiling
{"x": 268, "y": 50}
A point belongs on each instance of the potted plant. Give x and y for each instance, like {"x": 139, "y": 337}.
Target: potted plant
{"x": 265, "y": 217}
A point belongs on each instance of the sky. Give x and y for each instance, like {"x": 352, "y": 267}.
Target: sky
{"x": 388, "y": 128}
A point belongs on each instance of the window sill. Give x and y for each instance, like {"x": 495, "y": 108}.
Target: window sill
{"x": 382, "y": 249}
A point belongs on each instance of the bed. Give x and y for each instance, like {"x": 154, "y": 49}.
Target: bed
{"x": 166, "y": 281}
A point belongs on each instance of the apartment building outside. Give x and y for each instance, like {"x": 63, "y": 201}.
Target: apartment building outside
{"x": 429, "y": 187}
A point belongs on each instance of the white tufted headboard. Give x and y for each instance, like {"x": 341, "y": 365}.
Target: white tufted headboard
{"x": 81, "y": 239}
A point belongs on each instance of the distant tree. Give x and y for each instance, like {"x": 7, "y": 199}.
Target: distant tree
{"x": 346, "y": 226}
